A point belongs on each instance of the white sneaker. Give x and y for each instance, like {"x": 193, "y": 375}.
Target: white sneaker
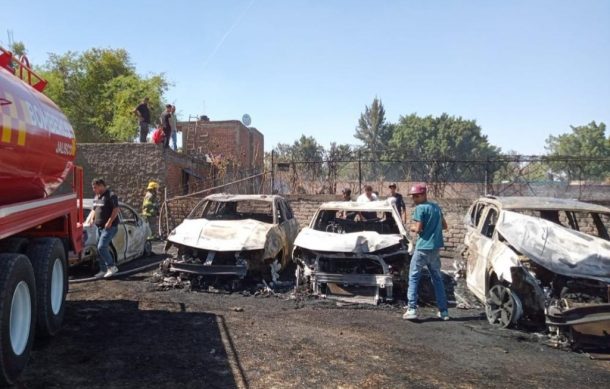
{"x": 100, "y": 274}
{"x": 444, "y": 316}
{"x": 111, "y": 271}
{"x": 411, "y": 314}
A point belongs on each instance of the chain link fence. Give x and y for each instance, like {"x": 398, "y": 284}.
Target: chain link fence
{"x": 508, "y": 175}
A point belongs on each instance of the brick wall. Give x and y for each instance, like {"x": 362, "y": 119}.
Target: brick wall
{"x": 242, "y": 146}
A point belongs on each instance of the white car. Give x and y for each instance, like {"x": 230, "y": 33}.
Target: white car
{"x": 235, "y": 235}
{"x": 354, "y": 251}
{"x": 130, "y": 242}
{"x": 543, "y": 261}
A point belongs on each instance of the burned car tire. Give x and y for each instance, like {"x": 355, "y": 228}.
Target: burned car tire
{"x": 502, "y": 307}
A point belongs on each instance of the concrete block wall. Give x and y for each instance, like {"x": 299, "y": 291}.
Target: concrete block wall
{"x": 128, "y": 167}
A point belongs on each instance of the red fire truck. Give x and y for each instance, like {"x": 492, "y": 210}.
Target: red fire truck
{"x": 37, "y": 228}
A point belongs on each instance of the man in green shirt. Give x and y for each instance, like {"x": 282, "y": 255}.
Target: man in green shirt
{"x": 428, "y": 224}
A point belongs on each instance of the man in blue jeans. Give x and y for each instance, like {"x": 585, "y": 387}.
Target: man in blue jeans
{"x": 428, "y": 224}
{"x": 105, "y": 216}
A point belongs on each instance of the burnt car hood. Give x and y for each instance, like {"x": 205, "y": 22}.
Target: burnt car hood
{"x": 557, "y": 248}
{"x": 221, "y": 235}
{"x": 355, "y": 242}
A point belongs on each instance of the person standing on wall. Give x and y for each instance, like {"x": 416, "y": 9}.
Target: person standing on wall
{"x": 105, "y": 215}
{"x": 166, "y": 125}
{"x": 150, "y": 208}
{"x": 173, "y": 122}
{"x": 428, "y": 225}
{"x": 143, "y": 113}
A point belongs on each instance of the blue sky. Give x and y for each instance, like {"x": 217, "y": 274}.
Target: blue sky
{"x": 522, "y": 69}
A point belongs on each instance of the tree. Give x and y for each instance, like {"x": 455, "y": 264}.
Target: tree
{"x": 336, "y": 161}
{"x": 585, "y": 142}
{"x": 98, "y": 90}
{"x": 446, "y": 147}
{"x": 306, "y": 157}
{"x": 18, "y": 48}
{"x": 373, "y": 131}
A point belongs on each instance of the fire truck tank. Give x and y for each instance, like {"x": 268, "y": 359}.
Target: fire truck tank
{"x": 37, "y": 144}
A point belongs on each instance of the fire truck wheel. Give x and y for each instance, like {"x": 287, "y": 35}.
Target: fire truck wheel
{"x": 17, "y": 315}
{"x": 14, "y": 245}
{"x": 49, "y": 261}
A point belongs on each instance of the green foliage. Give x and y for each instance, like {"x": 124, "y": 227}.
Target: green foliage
{"x": 98, "y": 91}
{"x": 519, "y": 169}
{"x": 18, "y": 48}
{"x": 373, "y": 131}
{"x": 587, "y": 141}
{"x": 439, "y": 142}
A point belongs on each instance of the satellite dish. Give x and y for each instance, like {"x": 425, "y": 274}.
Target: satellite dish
{"x": 246, "y": 119}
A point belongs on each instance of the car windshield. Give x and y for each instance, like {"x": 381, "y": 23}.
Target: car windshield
{"x": 234, "y": 210}
{"x": 346, "y": 221}
{"x": 591, "y": 223}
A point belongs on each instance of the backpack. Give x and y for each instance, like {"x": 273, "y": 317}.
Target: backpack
{"x": 158, "y": 136}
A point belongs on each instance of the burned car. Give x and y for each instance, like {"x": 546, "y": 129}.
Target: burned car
{"x": 130, "y": 242}
{"x": 543, "y": 261}
{"x": 354, "y": 251}
{"x": 235, "y": 235}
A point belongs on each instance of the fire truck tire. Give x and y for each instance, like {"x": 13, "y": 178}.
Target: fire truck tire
{"x": 17, "y": 315}
{"x": 50, "y": 269}
{"x": 14, "y": 245}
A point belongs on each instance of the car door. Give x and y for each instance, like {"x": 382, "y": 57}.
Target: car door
{"x": 136, "y": 238}
{"x": 291, "y": 225}
{"x": 480, "y": 245}
{"x": 282, "y": 227}
{"x": 120, "y": 241}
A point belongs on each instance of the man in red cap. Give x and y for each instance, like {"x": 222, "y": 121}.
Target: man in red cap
{"x": 428, "y": 224}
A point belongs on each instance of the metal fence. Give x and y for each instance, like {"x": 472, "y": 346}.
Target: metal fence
{"x": 507, "y": 175}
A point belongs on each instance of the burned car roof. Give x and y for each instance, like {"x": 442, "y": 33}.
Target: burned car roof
{"x": 520, "y": 202}
{"x": 380, "y": 205}
{"x": 241, "y": 197}
{"x": 367, "y": 236}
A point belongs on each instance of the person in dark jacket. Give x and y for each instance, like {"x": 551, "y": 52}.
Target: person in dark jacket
{"x": 143, "y": 113}
{"x": 166, "y": 124}
{"x": 105, "y": 215}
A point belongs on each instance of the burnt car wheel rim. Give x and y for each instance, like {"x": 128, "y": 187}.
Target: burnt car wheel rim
{"x": 501, "y": 307}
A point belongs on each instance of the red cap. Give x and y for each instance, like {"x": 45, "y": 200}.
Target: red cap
{"x": 418, "y": 189}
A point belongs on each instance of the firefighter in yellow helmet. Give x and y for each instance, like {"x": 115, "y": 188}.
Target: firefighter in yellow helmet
{"x": 150, "y": 208}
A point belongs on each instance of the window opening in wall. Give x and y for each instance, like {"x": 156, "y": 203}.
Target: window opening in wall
{"x": 184, "y": 183}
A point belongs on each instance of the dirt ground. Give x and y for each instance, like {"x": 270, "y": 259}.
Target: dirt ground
{"x": 125, "y": 333}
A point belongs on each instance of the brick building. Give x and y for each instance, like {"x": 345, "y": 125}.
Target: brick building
{"x": 240, "y": 147}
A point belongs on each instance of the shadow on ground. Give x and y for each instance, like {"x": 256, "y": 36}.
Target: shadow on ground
{"x": 153, "y": 344}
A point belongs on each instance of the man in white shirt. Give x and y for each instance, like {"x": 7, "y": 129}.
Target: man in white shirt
{"x": 368, "y": 195}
